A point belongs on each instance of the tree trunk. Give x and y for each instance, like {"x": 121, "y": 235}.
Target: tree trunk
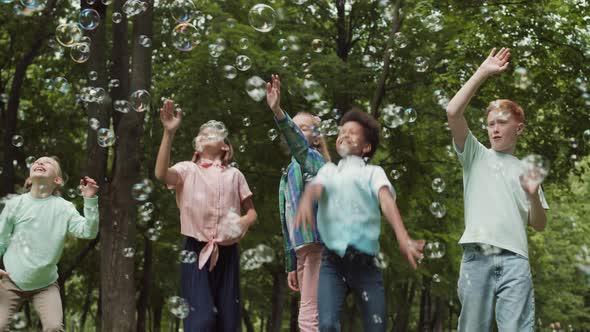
{"x": 8, "y": 178}
{"x": 380, "y": 90}
{"x": 279, "y": 285}
{"x": 157, "y": 308}
{"x": 119, "y": 302}
{"x": 294, "y": 321}
{"x": 344, "y": 43}
{"x": 247, "y": 320}
{"x": 146, "y": 282}
{"x": 425, "y": 323}
{"x": 86, "y": 308}
{"x": 403, "y": 312}
{"x": 438, "y": 314}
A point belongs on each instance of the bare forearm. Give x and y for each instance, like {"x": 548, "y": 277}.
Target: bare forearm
{"x": 537, "y": 215}
{"x": 391, "y": 212}
{"x": 163, "y": 160}
{"x": 462, "y": 98}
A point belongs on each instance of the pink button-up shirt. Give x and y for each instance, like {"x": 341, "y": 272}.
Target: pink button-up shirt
{"x": 206, "y": 193}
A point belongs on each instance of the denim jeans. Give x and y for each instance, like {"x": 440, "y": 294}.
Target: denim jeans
{"x": 502, "y": 279}
{"x": 357, "y": 273}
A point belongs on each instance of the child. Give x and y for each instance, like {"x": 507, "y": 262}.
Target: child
{"x": 349, "y": 222}
{"x": 303, "y": 248}
{"x": 33, "y": 229}
{"x": 498, "y": 206}
{"x": 210, "y": 196}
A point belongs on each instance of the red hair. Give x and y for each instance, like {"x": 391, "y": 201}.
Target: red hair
{"x": 507, "y": 105}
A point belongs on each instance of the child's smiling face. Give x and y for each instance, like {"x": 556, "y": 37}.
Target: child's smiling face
{"x": 351, "y": 140}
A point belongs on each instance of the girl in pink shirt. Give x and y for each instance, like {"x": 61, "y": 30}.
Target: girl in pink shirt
{"x": 216, "y": 210}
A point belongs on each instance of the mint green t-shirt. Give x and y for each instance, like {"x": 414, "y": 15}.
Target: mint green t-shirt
{"x": 496, "y": 205}
{"x": 349, "y": 213}
{"x": 33, "y": 233}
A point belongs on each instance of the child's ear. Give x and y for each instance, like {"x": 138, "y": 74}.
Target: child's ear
{"x": 58, "y": 181}
{"x": 367, "y": 149}
{"x": 225, "y": 147}
{"x": 519, "y": 129}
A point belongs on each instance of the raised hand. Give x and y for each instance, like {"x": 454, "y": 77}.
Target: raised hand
{"x": 273, "y": 93}
{"x": 496, "y": 62}
{"x": 89, "y": 187}
{"x": 170, "y": 121}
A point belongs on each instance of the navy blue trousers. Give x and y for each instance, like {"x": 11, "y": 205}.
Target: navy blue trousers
{"x": 214, "y": 297}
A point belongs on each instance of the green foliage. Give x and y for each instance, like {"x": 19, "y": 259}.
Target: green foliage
{"x": 548, "y": 38}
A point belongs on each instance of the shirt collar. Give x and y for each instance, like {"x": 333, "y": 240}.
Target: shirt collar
{"x": 206, "y": 163}
{"x": 351, "y": 161}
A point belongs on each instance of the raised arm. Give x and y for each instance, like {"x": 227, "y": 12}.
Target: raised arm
{"x": 170, "y": 122}
{"x": 410, "y": 249}
{"x": 494, "y": 64}
{"x": 310, "y": 159}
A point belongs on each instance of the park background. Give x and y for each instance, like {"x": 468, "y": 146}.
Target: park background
{"x": 399, "y": 60}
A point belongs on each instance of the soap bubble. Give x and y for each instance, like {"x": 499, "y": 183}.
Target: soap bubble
{"x": 187, "y": 257}
{"x": 122, "y": 106}
{"x": 262, "y": 17}
{"x": 434, "y": 250}
{"x": 410, "y": 115}
{"x": 117, "y": 17}
{"x": 94, "y": 123}
{"x": 284, "y": 60}
{"x": 18, "y": 321}
{"x": 521, "y": 78}
{"x": 243, "y": 62}
{"x": 328, "y": 127}
{"x": 128, "y": 252}
{"x": 18, "y": 141}
{"x": 254, "y": 258}
{"x": 230, "y": 72}
{"x": 179, "y": 307}
{"x": 145, "y": 41}
{"x": 317, "y": 45}
{"x": 256, "y": 88}
{"x": 438, "y": 185}
{"x": 89, "y": 19}
{"x": 133, "y": 7}
{"x": 272, "y": 134}
{"x": 283, "y": 44}
{"x": 534, "y": 169}
{"x": 182, "y": 10}
{"x": 140, "y": 100}
{"x": 105, "y": 137}
{"x": 68, "y": 34}
{"x": 312, "y": 90}
{"x": 438, "y": 209}
{"x": 421, "y": 64}
{"x": 80, "y": 52}
{"x": 61, "y": 84}
{"x": 141, "y": 191}
{"x": 185, "y": 37}
{"x": 244, "y": 43}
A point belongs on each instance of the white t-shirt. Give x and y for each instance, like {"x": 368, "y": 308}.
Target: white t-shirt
{"x": 496, "y": 205}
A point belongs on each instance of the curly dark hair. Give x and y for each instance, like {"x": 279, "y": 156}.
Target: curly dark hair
{"x": 371, "y": 127}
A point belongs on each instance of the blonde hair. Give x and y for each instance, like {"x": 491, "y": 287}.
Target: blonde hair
{"x": 321, "y": 144}
{"x": 57, "y": 190}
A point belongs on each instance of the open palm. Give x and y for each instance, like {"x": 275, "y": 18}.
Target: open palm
{"x": 170, "y": 121}
{"x": 273, "y": 93}
{"x": 496, "y": 62}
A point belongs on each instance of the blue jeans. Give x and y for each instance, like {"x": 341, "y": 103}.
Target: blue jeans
{"x": 354, "y": 272}
{"x": 504, "y": 278}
